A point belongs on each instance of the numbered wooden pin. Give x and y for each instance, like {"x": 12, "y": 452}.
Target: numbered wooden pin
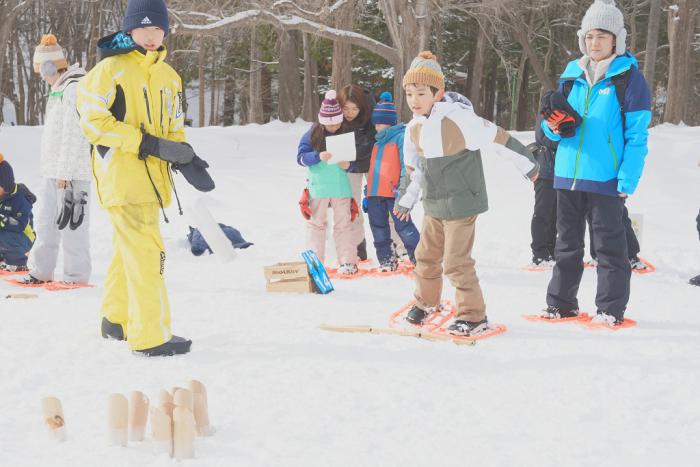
{"x": 161, "y": 431}
{"x": 53, "y": 417}
{"x": 118, "y": 420}
{"x": 201, "y": 408}
{"x": 183, "y": 433}
{"x": 138, "y": 416}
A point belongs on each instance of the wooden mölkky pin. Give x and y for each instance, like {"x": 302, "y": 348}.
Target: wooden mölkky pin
{"x": 201, "y": 407}
{"x": 166, "y": 403}
{"x": 161, "y": 431}
{"x": 138, "y": 415}
{"x": 118, "y": 420}
{"x": 53, "y": 417}
{"x": 183, "y": 398}
{"x": 184, "y": 431}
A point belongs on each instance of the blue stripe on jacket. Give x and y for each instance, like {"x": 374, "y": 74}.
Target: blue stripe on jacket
{"x": 306, "y": 154}
{"x": 599, "y": 158}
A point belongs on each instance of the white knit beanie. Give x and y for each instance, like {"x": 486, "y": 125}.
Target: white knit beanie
{"x": 603, "y": 14}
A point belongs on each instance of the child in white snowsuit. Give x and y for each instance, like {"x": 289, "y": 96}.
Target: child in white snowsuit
{"x": 65, "y": 166}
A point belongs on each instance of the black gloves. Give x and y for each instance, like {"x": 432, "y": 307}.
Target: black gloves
{"x": 182, "y": 158}
{"x": 560, "y": 116}
{"x": 72, "y": 210}
{"x": 196, "y": 173}
{"x": 170, "y": 151}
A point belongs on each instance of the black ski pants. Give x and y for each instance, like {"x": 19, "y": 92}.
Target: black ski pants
{"x": 611, "y": 246}
{"x": 632, "y": 242}
{"x": 544, "y": 219}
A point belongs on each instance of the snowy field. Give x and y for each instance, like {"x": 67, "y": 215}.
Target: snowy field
{"x": 284, "y": 393}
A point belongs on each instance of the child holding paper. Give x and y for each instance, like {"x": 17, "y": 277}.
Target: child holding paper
{"x": 328, "y": 186}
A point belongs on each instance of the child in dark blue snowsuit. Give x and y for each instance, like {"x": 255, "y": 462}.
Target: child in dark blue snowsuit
{"x": 16, "y": 233}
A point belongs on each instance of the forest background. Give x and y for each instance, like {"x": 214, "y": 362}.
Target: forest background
{"x": 251, "y": 62}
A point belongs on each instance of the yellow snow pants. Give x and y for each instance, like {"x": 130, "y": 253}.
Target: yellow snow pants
{"x": 135, "y": 294}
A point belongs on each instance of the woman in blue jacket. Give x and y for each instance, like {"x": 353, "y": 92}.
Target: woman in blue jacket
{"x": 602, "y": 146}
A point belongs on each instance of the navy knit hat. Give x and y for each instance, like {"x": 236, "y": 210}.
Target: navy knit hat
{"x": 7, "y": 176}
{"x": 145, "y": 13}
{"x": 385, "y": 111}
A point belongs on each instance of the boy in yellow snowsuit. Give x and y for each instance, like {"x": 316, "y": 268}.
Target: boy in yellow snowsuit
{"x": 130, "y": 111}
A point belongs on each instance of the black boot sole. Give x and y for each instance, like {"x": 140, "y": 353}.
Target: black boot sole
{"x": 167, "y": 349}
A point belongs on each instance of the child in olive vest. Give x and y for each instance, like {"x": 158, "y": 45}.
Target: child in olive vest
{"x": 442, "y": 153}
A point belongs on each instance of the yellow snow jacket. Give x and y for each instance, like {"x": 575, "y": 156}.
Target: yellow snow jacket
{"x": 130, "y": 89}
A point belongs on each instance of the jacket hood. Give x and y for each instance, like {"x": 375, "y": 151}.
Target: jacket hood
{"x": 619, "y": 65}
{"x": 390, "y": 133}
{"x": 455, "y": 97}
{"x": 74, "y": 71}
{"x": 119, "y": 44}
{"x": 115, "y": 44}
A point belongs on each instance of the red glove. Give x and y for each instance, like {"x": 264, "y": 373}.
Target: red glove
{"x": 354, "y": 210}
{"x": 557, "y": 118}
{"x": 304, "y": 204}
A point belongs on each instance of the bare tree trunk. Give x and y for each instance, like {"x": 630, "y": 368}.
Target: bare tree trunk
{"x": 22, "y": 101}
{"x": 266, "y": 93}
{"x": 477, "y": 72}
{"x": 490, "y": 91}
{"x": 633, "y": 26}
{"x": 405, "y": 29}
{"x": 342, "y": 51}
{"x": 521, "y": 78}
{"x": 255, "y": 105}
{"x": 8, "y": 12}
{"x": 202, "y": 84}
{"x": 212, "y": 97}
{"x": 423, "y": 18}
{"x": 681, "y": 25}
{"x": 310, "y": 95}
{"x": 521, "y": 33}
{"x": 525, "y": 114}
{"x": 228, "y": 113}
{"x": 289, "y": 82}
{"x": 652, "y": 42}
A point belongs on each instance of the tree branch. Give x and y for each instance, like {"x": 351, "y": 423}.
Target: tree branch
{"x": 293, "y": 22}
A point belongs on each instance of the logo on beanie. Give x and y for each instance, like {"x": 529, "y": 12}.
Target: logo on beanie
{"x": 146, "y": 20}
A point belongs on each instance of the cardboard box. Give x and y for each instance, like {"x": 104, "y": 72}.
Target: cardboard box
{"x": 289, "y": 277}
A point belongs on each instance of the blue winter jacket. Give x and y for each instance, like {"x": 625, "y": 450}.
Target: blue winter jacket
{"x": 599, "y": 158}
{"x": 16, "y": 214}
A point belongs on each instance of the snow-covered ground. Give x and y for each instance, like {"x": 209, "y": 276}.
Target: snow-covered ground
{"x": 284, "y": 393}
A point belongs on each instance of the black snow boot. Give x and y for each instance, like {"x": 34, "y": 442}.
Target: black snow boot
{"x": 112, "y": 330}
{"x": 175, "y": 346}
{"x": 468, "y": 328}
{"x": 416, "y": 315}
{"x": 695, "y": 281}
{"x": 554, "y": 312}
{"x": 362, "y": 250}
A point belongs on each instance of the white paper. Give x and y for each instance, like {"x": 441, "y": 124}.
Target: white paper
{"x": 342, "y": 147}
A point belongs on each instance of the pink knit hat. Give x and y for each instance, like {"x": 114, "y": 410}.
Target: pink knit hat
{"x": 330, "y": 113}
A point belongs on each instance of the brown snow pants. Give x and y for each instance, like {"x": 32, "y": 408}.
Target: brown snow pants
{"x": 451, "y": 241}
